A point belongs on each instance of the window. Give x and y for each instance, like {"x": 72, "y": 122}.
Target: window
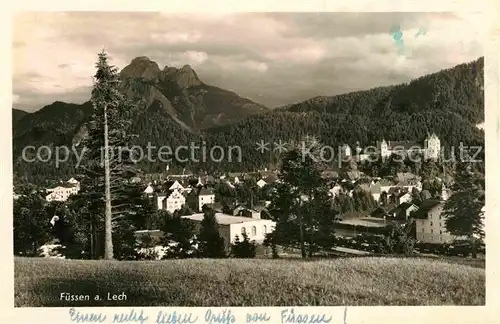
{"x": 431, "y": 223}
{"x": 243, "y": 230}
{"x": 254, "y": 230}
{"x": 441, "y": 232}
{"x": 422, "y": 229}
{"x": 264, "y": 229}
{"x": 431, "y": 230}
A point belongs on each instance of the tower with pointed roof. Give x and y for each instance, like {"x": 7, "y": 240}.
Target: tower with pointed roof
{"x": 432, "y": 147}
{"x": 384, "y": 149}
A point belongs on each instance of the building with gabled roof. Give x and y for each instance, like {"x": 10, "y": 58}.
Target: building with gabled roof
{"x": 430, "y": 147}
{"x": 63, "y": 191}
{"x": 205, "y": 197}
{"x": 430, "y": 224}
{"x": 403, "y": 211}
{"x": 170, "y": 201}
{"x": 231, "y": 226}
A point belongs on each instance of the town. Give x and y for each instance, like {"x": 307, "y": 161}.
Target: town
{"x": 404, "y": 198}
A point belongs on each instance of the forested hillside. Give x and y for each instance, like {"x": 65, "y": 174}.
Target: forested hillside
{"x": 449, "y": 103}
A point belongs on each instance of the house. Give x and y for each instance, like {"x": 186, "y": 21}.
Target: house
{"x": 379, "y": 186}
{"x": 261, "y": 183}
{"x": 402, "y": 211}
{"x": 379, "y": 212}
{"x": 399, "y": 195}
{"x": 149, "y": 189}
{"x": 430, "y": 148}
{"x": 335, "y": 190}
{"x": 385, "y": 185}
{"x": 429, "y": 223}
{"x": 174, "y": 185}
{"x": 205, "y": 197}
{"x": 170, "y": 201}
{"x": 252, "y": 213}
{"x": 345, "y": 151}
{"x": 238, "y": 209}
{"x": 232, "y": 226}
{"x": 63, "y": 191}
{"x": 74, "y": 182}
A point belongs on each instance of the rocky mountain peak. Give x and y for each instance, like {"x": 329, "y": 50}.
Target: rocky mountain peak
{"x": 184, "y": 77}
{"x": 141, "y": 67}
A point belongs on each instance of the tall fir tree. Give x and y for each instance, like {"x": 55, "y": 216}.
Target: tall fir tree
{"x": 179, "y": 237}
{"x": 306, "y": 206}
{"x": 211, "y": 243}
{"x": 109, "y": 164}
{"x": 463, "y": 211}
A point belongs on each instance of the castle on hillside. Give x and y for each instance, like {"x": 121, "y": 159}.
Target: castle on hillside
{"x": 430, "y": 148}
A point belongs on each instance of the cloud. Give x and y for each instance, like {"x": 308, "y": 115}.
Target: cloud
{"x": 272, "y": 58}
{"x": 195, "y": 58}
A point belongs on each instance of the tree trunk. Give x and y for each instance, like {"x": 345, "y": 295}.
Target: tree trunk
{"x": 302, "y": 244}
{"x": 108, "y": 247}
{"x": 473, "y": 247}
{"x": 91, "y": 240}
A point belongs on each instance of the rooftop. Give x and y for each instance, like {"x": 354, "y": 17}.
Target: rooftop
{"x": 364, "y": 221}
{"x": 425, "y": 207}
{"x": 205, "y": 192}
{"x": 224, "y": 219}
{"x": 402, "y": 207}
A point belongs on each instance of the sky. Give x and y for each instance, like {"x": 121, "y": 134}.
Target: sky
{"x": 271, "y": 58}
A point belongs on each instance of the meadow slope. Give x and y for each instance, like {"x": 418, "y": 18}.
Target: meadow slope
{"x": 230, "y": 282}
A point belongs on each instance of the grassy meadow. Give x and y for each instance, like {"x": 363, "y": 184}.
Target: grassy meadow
{"x": 361, "y": 281}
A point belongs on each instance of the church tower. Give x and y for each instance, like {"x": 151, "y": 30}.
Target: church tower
{"x": 432, "y": 146}
{"x": 384, "y": 149}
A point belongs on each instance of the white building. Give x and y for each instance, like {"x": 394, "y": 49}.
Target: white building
{"x": 345, "y": 150}
{"x": 430, "y": 225}
{"x": 261, "y": 183}
{"x": 399, "y": 195}
{"x": 170, "y": 201}
{"x": 232, "y": 226}
{"x": 205, "y": 197}
{"x": 431, "y": 148}
{"x": 149, "y": 189}
{"x": 74, "y": 182}
{"x": 429, "y": 222}
{"x": 63, "y": 191}
{"x": 176, "y": 186}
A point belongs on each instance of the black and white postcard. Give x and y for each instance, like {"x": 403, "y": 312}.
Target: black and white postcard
{"x": 276, "y": 163}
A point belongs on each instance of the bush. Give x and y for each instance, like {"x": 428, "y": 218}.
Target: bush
{"x": 243, "y": 249}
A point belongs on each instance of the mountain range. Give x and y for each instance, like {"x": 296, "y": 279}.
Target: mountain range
{"x": 180, "y": 108}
